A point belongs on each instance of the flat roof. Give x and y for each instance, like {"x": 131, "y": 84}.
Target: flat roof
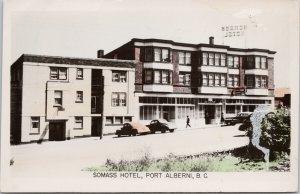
{"x": 76, "y": 61}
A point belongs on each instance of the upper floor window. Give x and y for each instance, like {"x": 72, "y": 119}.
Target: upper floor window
{"x": 148, "y": 54}
{"x": 213, "y": 79}
{"x": 35, "y": 125}
{"x": 161, "y": 55}
{"x": 184, "y": 58}
{"x": 214, "y": 59}
{"x": 79, "y": 96}
{"x": 257, "y": 62}
{"x": 256, "y": 81}
{"x": 233, "y": 81}
{"x": 119, "y": 76}
{"x": 79, "y": 73}
{"x": 118, "y": 99}
{"x": 58, "y": 73}
{"x": 184, "y": 78}
{"x": 57, "y": 98}
{"x": 233, "y": 61}
{"x": 158, "y": 76}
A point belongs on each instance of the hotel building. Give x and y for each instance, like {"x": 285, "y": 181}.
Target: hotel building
{"x": 174, "y": 80}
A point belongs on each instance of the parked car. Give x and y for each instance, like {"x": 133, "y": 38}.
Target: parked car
{"x": 161, "y": 125}
{"x": 133, "y": 129}
{"x": 239, "y": 118}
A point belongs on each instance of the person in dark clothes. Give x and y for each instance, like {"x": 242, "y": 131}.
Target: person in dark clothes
{"x": 222, "y": 118}
{"x": 187, "y": 122}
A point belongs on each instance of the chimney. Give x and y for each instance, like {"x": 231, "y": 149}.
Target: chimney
{"x": 211, "y": 40}
{"x": 100, "y": 53}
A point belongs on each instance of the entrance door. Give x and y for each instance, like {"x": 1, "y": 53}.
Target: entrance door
{"x": 209, "y": 114}
{"x": 57, "y": 131}
{"x": 96, "y": 126}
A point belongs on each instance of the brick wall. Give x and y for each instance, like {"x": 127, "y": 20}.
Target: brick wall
{"x": 175, "y": 67}
{"x": 182, "y": 89}
{"x": 271, "y": 73}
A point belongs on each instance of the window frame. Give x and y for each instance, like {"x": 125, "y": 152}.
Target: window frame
{"x": 185, "y": 80}
{"x": 161, "y": 56}
{"x": 119, "y": 78}
{"x": 61, "y": 98}
{"x": 38, "y": 121}
{"x": 78, "y": 100}
{"x": 184, "y": 56}
{"x": 209, "y": 79}
{"x": 58, "y": 73}
{"x": 210, "y": 59}
{"x": 159, "y": 79}
{"x": 118, "y": 102}
{"x": 78, "y": 75}
{"x": 76, "y": 119}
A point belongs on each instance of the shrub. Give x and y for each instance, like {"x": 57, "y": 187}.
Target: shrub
{"x": 276, "y": 131}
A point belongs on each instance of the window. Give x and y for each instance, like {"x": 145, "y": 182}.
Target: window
{"x": 119, "y": 76}
{"x": 223, "y": 79}
{"x": 260, "y": 62}
{"x": 217, "y": 79}
{"x": 58, "y": 73}
{"x": 223, "y": 60}
{"x": 211, "y": 59}
{"x": 213, "y": 79}
{"x": 257, "y": 62}
{"x": 158, "y": 76}
{"x": 233, "y": 80}
{"x": 109, "y": 120}
{"x": 148, "y": 54}
{"x": 264, "y": 63}
{"x": 161, "y": 55}
{"x": 257, "y": 81}
{"x": 204, "y": 58}
{"x": 165, "y": 77}
{"x": 250, "y": 62}
{"x": 118, "y": 120}
{"x": 236, "y": 62}
{"x": 210, "y": 79}
{"x": 217, "y": 59}
{"x": 118, "y": 99}
{"x": 35, "y": 125}
{"x": 249, "y": 81}
{"x": 127, "y": 119}
{"x": 184, "y": 78}
{"x": 204, "y": 80}
{"x": 264, "y": 82}
{"x": 184, "y": 58}
{"x": 78, "y": 123}
{"x": 79, "y": 96}
{"x": 148, "y": 76}
{"x": 230, "y": 61}
{"x": 79, "y": 73}
{"x": 57, "y": 98}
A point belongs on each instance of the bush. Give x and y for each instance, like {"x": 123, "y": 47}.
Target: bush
{"x": 276, "y": 131}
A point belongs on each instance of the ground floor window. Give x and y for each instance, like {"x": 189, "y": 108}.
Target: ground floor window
{"x": 78, "y": 123}
{"x": 184, "y": 111}
{"x": 35, "y": 125}
{"x": 148, "y": 112}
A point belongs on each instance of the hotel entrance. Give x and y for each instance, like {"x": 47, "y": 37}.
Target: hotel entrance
{"x": 212, "y": 114}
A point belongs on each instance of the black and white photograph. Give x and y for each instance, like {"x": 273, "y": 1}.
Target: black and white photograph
{"x": 150, "y": 96}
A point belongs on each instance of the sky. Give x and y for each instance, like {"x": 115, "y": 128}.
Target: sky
{"x": 77, "y": 28}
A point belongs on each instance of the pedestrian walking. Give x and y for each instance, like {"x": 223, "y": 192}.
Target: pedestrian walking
{"x": 187, "y": 122}
{"x": 222, "y": 118}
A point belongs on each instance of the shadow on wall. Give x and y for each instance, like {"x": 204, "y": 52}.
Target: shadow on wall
{"x": 43, "y": 134}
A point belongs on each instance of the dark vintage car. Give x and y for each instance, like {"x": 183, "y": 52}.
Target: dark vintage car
{"x": 161, "y": 125}
{"x": 239, "y": 118}
{"x": 247, "y": 124}
{"x": 133, "y": 129}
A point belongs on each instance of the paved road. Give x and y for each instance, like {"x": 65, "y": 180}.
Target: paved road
{"x": 66, "y": 159}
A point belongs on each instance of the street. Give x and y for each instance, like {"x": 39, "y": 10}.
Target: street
{"x": 66, "y": 159}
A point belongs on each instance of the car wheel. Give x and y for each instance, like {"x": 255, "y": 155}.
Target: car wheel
{"x": 152, "y": 131}
{"x": 171, "y": 130}
{"x": 119, "y": 135}
{"x": 134, "y": 132}
{"x": 163, "y": 130}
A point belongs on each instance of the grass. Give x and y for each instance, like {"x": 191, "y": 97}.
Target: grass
{"x": 237, "y": 160}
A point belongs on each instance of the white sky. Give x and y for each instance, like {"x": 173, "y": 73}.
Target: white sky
{"x": 79, "y": 28}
